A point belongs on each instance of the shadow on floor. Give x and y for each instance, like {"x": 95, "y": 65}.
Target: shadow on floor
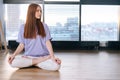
{"x": 34, "y": 73}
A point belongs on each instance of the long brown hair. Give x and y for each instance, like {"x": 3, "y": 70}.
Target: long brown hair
{"x": 33, "y": 26}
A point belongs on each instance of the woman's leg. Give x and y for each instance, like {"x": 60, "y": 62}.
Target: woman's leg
{"x": 26, "y": 61}
{"x": 49, "y": 65}
{"x": 20, "y": 62}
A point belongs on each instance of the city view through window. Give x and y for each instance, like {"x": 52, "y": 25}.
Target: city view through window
{"x": 98, "y": 22}
{"x": 63, "y": 21}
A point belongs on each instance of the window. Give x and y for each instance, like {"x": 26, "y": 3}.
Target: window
{"x": 63, "y": 21}
{"x": 15, "y": 17}
{"x": 63, "y": 0}
{"x": 99, "y": 23}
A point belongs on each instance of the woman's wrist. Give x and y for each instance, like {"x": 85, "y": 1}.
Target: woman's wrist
{"x": 14, "y": 54}
{"x": 52, "y": 56}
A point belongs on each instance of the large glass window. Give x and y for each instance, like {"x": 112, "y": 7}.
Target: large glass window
{"x": 62, "y": 0}
{"x": 99, "y": 23}
{"x": 63, "y": 21}
{"x": 15, "y": 16}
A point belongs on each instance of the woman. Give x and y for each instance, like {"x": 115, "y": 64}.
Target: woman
{"x": 34, "y": 37}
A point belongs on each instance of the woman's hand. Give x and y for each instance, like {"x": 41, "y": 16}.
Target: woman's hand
{"x": 11, "y": 58}
{"x": 57, "y": 60}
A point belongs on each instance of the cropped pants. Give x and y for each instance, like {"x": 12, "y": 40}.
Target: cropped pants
{"x": 21, "y": 62}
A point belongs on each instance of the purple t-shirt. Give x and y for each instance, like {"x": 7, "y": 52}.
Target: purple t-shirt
{"x": 35, "y": 47}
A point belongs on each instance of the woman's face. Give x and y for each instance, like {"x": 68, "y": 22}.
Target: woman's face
{"x": 38, "y": 13}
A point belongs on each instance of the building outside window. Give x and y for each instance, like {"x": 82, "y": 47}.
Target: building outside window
{"x": 63, "y": 21}
{"x": 100, "y": 23}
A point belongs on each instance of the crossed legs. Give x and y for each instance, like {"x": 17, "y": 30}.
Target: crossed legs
{"x": 42, "y": 62}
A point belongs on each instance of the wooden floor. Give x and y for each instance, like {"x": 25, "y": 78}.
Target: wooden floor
{"x": 76, "y": 65}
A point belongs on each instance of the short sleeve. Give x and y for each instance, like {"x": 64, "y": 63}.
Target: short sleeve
{"x": 48, "y": 36}
{"x": 20, "y": 35}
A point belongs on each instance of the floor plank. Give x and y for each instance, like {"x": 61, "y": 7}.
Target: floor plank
{"x": 76, "y": 65}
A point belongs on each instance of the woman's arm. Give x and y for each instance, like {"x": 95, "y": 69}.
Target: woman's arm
{"x": 50, "y": 49}
{"x": 17, "y": 51}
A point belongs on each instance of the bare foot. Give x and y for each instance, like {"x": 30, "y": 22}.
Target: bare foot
{"x": 44, "y": 58}
{"x": 26, "y": 57}
{"x": 40, "y": 59}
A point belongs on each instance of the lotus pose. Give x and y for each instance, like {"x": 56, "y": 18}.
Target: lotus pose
{"x": 34, "y": 37}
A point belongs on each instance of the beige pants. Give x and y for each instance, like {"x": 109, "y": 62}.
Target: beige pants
{"x": 21, "y": 62}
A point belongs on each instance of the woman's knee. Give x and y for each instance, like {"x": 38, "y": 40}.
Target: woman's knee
{"x": 21, "y": 62}
{"x": 49, "y": 65}
{"x": 56, "y": 67}
{"x": 14, "y": 64}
